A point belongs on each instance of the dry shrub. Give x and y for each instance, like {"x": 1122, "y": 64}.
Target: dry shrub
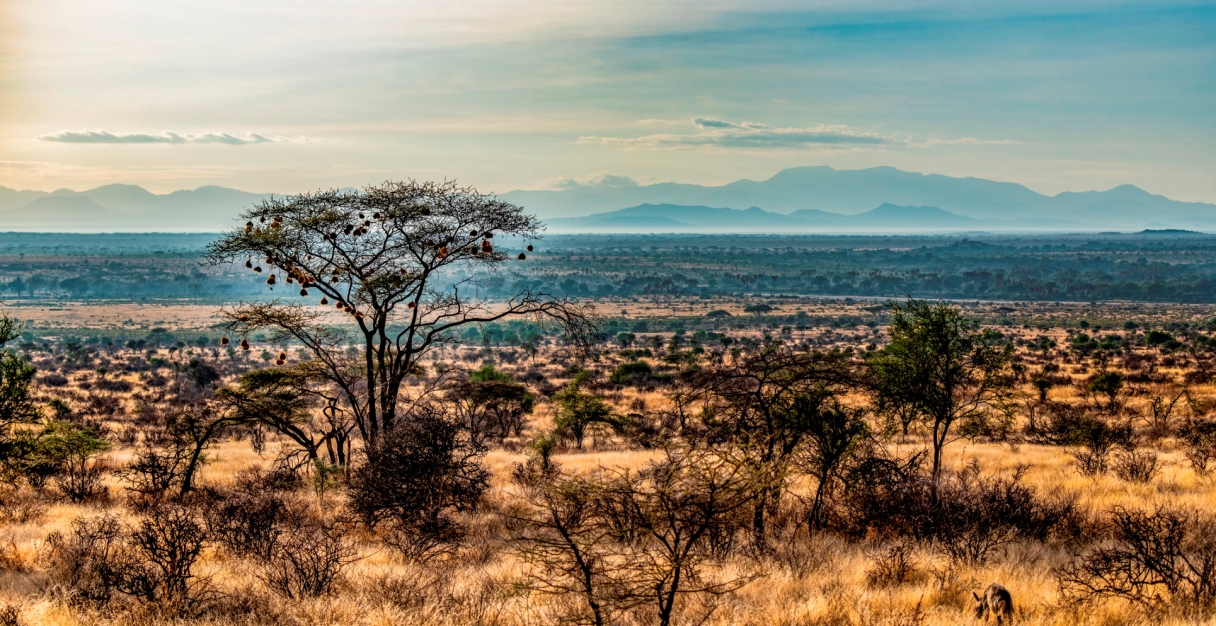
{"x": 1158, "y": 559}
{"x": 83, "y": 481}
{"x": 964, "y": 515}
{"x": 82, "y": 566}
{"x": 154, "y": 472}
{"x": 414, "y": 479}
{"x": 1198, "y": 437}
{"x": 21, "y": 506}
{"x": 308, "y": 558}
{"x": 1097, "y": 438}
{"x": 152, "y": 561}
{"x": 893, "y": 566}
{"x": 249, "y": 519}
{"x": 1059, "y": 424}
{"x": 1136, "y": 466}
{"x": 11, "y": 559}
{"x": 54, "y": 380}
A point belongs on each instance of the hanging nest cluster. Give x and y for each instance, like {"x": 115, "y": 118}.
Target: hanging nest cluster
{"x": 362, "y": 226}
{"x": 345, "y": 308}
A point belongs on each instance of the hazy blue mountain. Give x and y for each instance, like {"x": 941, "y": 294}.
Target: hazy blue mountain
{"x": 914, "y": 217}
{"x": 672, "y": 217}
{"x": 123, "y": 207}
{"x": 13, "y": 198}
{"x": 851, "y": 192}
{"x": 803, "y": 198}
{"x": 678, "y": 218}
{"x": 66, "y": 209}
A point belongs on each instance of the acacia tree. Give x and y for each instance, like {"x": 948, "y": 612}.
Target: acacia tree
{"x": 16, "y": 375}
{"x": 766, "y": 405}
{"x": 398, "y": 261}
{"x": 490, "y": 403}
{"x": 942, "y": 368}
{"x": 283, "y": 400}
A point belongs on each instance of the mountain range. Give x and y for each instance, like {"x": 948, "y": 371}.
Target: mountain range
{"x": 837, "y": 194}
{"x": 127, "y": 208}
{"x": 888, "y": 217}
{"x": 800, "y": 199}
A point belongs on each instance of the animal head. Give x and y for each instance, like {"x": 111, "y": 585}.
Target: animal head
{"x": 981, "y": 606}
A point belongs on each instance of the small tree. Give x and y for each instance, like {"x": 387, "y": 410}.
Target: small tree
{"x": 674, "y": 516}
{"x": 562, "y": 535}
{"x": 490, "y": 403}
{"x": 288, "y": 401}
{"x": 399, "y": 261}
{"x": 577, "y": 410}
{"x": 1109, "y": 384}
{"x": 941, "y": 367}
{"x": 73, "y": 448}
{"x": 834, "y": 433}
{"x": 16, "y": 406}
{"x": 764, "y": 406}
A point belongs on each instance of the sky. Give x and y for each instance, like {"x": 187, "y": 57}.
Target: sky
{"x": 288, "y": 96}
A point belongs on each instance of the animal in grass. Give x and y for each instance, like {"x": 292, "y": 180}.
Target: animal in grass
{"x": 996, "y": 601}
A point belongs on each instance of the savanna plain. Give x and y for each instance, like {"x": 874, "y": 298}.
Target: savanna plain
{"x": 707, "y": 431}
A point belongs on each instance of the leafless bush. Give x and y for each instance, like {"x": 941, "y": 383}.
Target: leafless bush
{"x": 165, "y": 546}
{"x": 1059, "y": 424}
{"x": 1160, "y": 413}
{"x": 246, "y": 523}
{"x": 633, "y": 539}
{"x": 558, "y": 533}
{"x": 1154, "y": 558}
{"x": 54, "y": 380}
{"x": 418, "y": 475}
{"x": 21, "y": 506}
{"x": 82, "y": 481}
{"x": 152, "y": 561}
{"x": 1136, "y": 466}
{"x": 892, "y": 566}
{"x": 308, "y": 558}
{"x": 154, "y": 472}
{"x": 83, "y": 566}
{"x": 669, "y": 516}
{"x": 1090, "y": 462}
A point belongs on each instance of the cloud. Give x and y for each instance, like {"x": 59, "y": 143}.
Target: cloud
{"x": 714, "y": 133}
{"x": 101, "y": 136}
{"x": 601, "y": 179}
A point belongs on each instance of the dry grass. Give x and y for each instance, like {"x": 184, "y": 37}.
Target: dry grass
{"x": 806, "y": 580}
{"x": 815, "y": 581}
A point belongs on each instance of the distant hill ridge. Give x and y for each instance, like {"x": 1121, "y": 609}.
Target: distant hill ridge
{"x": 852, "y": 192}
{"x": 806, "y": 198}
{"x": 123, "y": 208}
{"x": 679, "y": 218}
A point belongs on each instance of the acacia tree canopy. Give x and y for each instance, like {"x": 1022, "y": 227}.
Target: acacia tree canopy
{"x": 940, "y": 367}
{"x": 398, "y": 261}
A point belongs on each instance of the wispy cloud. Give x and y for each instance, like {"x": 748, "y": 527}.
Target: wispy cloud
{"x": 723, "y": 134}
{"x": 599, "y": 179}
{"x": 968, "y": 141}
{"x": 714, "y": 133}
{"x": 101, "y": 136}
